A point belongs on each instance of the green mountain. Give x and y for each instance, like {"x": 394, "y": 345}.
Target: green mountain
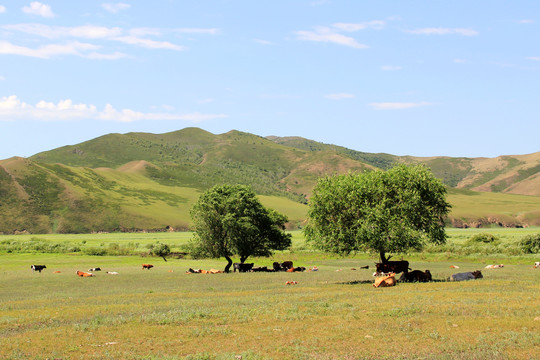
{"x": 148, "y": 182}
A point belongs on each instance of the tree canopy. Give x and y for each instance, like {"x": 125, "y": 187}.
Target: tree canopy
{"x": 230, "y": 220}
{"x": 380, "y": 211}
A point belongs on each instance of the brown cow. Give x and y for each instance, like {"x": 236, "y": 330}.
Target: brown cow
{"x": 84, "y": 274}
{"x": 385, "y": 281}
{"x": 147, "y": 266}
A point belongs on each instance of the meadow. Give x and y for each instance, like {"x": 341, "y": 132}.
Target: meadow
{"x": 333, "y": 313}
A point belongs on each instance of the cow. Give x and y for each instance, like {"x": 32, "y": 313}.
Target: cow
{"x": 243, "y": 267}
{"x": 284, "y": 266}
{"x": 112, "y": 273}
{"x": 466, "y": 276}
{"x": 416, "y": 276}
{"x": 497, "y": 266}
{"x": 385, "y": 281}
{"x": 37, "y": 267}
{"x": 84, "y": 274}
{"x": 259, "y": 269}
{"x": 393, "y": 266}
{"x": 147, "y": 266}
{"x": 291, "y": 282}
{"x": 94, "y": 269}
{"x": 537, "y": 264}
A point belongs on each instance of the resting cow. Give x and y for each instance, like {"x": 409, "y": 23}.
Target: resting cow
{"x": 112, "y": 273}
{"x": 38, "y": 267}
{"x": 385, "y": 281}
{"x": 537, "y": 264}
{"x": 243, "y": 267}
{"x": 497, "y": 266}
{"x": 416, "y": 276}
{"x": 284, "y": 266}
{"x": 147, "y": 266}
{"x": 393, "y": 266}
{"x": 466, "y": 276}
{"x": 94, "y": 269}
{"x": 84, "y": 274}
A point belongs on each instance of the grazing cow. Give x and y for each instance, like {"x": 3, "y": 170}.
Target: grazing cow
{"x": 466, "y": 276}
{"x": 112, "y": 273}
{"x": 393, "y": 266}
{"x": 291, "y": 282}
{"x": 38, "y": 267}
{"x": 84, "y": 274}
{"x": 94, "y": 269}
{"x": 385, "y": 281}
{"x": 416, "y": 276}
{"x": 537, "y": 264}
{"x": 243, "y": 267}
{"x": 497, "y": 266}
{"x": 147, "y": 266}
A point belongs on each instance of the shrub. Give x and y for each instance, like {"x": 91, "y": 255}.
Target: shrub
{"x": 530, "y": 244}
{"x": 482, "y": 238}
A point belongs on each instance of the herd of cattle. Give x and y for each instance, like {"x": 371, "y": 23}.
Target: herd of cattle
{"x": 384, "y": 275}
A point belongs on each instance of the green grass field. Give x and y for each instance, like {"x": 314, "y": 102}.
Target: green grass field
{"x": 334, "y": 313}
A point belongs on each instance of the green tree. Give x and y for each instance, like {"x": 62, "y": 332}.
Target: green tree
{"x": 161, "y": 250}
{"x": 380, "y": 211}
{"x": 230, "y": 220}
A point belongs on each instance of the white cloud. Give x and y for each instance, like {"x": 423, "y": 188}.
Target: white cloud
{"x": 398, "y": 105}
{"x": 333, "y": 34}
{"x": 148, "y": 43}
{"x": 535, "y": 58}
{"x": 325, "y": 34}
{"x": 136, "y": 37}
{"x": 339, "y": 96}
{"x": 37, "y": 8}
{"x": 375, "y": 24}
{"x": 47, "y": 51}
{"x": 390, "y": 68}
{"x": 2, "y": 78}
{"x": 460, "y": 61}
{"x": 114, "y": 8}
{"x": 527, "y": 21}
{"x": 443, "y": 31}
{"x": 12, "y": 108}
{"x": 2, "y": 9}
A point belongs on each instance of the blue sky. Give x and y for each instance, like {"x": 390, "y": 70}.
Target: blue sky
{"x": 422, "y": 78}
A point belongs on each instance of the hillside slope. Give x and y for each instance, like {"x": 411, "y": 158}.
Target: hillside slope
{"x": 142, "y": 181}
{"x": 514, "y": 174}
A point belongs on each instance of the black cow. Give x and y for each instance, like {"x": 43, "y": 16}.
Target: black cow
{"x": 94, "y": 269}
{"x": 416, "y": 276}
{"x": 299, "y": 269}
{"x": 37, "y": 267}
{"x": 284, "y": 266}
{"x": 242, "y": 267}
{"x": 393, "y": 266}
{"x": 259, "y": 269}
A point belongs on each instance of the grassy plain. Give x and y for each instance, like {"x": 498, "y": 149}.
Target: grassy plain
{"x": 333, "y": 313}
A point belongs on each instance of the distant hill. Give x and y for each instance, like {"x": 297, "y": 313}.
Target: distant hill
{"x": 143, "y": 181}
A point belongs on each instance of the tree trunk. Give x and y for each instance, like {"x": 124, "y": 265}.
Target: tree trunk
{"x": 243, "y": 258}
{"x": 384, "y": 260}
{"x": 164, "y": 258}
{"x": 229, "y": 264}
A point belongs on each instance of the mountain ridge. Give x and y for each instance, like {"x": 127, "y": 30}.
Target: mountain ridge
{"x": 142, "y": 181}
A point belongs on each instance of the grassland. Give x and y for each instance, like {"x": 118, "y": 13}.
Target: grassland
{"x": 333, "y": 313}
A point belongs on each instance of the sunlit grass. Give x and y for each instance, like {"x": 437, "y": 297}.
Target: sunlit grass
{"x": 333, "y": 313}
